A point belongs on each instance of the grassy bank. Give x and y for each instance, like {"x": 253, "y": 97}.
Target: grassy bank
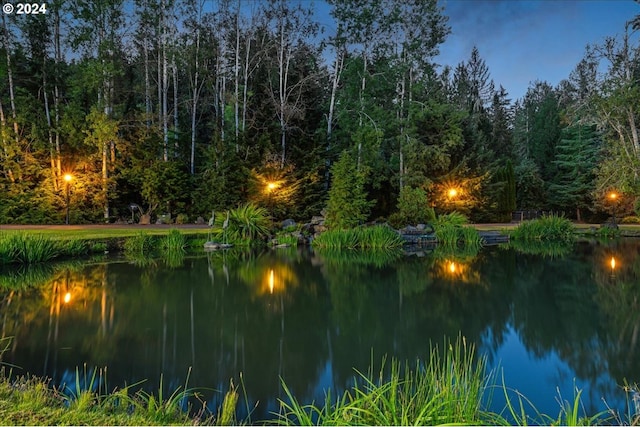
{"x": 34, "y": 247}
{"x": 451, "y": 386}
{"x": 99, "y": 232}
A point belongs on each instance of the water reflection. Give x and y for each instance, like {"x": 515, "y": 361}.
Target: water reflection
{"x": 549, "y": 322}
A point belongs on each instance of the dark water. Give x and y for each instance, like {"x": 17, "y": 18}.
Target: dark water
{"x": 550, "y": 323}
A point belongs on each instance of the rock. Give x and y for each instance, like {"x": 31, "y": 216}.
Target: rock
{"x": 200, "y": 220}
{"x": 214, "y": 246}
{"x": 317, "y": 220}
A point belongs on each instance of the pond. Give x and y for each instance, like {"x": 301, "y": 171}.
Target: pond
{"x": 547, "y": 323}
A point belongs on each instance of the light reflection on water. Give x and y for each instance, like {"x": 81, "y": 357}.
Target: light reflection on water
{"x": 547, "y": 324}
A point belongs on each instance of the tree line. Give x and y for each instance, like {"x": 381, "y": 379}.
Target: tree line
{"x": 189, "y": 106}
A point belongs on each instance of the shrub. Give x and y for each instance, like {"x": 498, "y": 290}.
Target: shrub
{"x": 139, "y": 244}
{"x": 630, "y": 220}
{"x": 413, "y": 208}
{"x": 376, "y": 237}
{"x": 245, "y": 224}
{"x": 182, "y": 219}
{"x": 551, "y": 227}
{"x": 347, "y": 206}
{"x": 285, "y": 238}
{"x": 28, "y": 249}
{"x": 174, "y": 241}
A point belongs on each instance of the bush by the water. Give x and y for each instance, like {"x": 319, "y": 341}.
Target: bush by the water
{"x": 551, "y": 227}
{"x": 451, "y": 232}
{"x": 246, "y": 224}
{"x": 36, "y": 248}
{"x": 376, "y": 237}
{"x": 413, "y": 208}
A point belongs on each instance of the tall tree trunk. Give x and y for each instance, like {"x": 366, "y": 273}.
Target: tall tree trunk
{"x": 165, "y": 93}
{"x": 195, "y": 95}
{"x": 335, "y": 82}
{"x": 147, "y": 81}
{"x": 47, "y": 112}
{"x": 12, "y": 99}
{"x": 236, "y": 81}
{"x": 57, "y": 58}
{"x": 175, "y": 104}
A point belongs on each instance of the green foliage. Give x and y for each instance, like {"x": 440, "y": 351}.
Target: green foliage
{"x": 246, "y": 224}
{"x": 347, "y": 206}
{"x": 165, "y": 185}
{"x": 576, "y": 160}
{"x": 507, "y": 195}
{"x": 28, "y": 249}
{"x": 376, "y": 237}
{"x": 222, "y": 181}
{"x": 452, "y": 234}
{"x": 448, "y": 388}
{"x": 286, "y": 238}
{"x": 630, "y": 220}
{"x": 549, "y": 228}
{"x": 454, "y": 218}
{"x": 174, "y": 241}
{"x": 182, "y": 219}
{"x": 546, "y": 248}
{"x": 413, "y": 208}
{"x": 140, "y": 244}
{"x": 347, "y": 258}
{"x": 530, "y": 192}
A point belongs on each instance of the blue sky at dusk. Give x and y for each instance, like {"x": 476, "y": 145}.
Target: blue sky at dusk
{"x": 523, "y": 41}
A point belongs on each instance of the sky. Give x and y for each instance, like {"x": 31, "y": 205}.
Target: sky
{"x": 522, "y": 41}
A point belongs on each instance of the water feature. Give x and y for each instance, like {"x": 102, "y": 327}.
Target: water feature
{"x": 549, "y": 323}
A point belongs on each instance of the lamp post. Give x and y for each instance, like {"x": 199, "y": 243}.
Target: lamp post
{"x": 67, "y": 179}
{"x": 271, "y": 186}
{"x": 613, "y": 196}
{"x": 452, "y": 193}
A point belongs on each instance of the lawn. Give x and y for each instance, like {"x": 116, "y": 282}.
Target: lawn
{"x": 90, "y": 232}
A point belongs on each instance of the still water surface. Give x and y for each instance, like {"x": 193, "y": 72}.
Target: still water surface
{"x": 547, "y": 323}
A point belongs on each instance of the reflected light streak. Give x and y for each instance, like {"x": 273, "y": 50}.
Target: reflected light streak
{"x": 271, "y": 281}
{"x": 613, "y": 263}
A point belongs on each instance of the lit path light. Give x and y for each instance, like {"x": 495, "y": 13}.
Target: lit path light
{"x": 452, "y": 267}
{"x": 67, "y": 178}
{"x": 67, "y": 298}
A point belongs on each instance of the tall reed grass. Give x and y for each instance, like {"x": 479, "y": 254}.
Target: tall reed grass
{"x": 376, "y": 237}
{"x": 174, "y": 241}
{"x": 548, "y": 228}
{"x": 140, "y": 244}
{"x": 447, "y": 388}
{"x": 36, "y": 248}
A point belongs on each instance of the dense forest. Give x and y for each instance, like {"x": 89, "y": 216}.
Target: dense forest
{"x": 186, "y": 107}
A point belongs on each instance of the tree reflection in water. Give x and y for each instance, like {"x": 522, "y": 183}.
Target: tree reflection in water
{"x": 312, "y": 318}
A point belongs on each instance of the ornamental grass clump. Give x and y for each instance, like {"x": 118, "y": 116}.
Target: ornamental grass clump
{"x": 448, "y": 388}
{"x": 376, "y": 237}
{"x": 28, "y": 249}
{"x": 173, "y": 242}
{"x": 242, "y": 226}
{"x": 452, "y": 233}
{"x": 546, "y": 228}
{"x": 140, "y": 244}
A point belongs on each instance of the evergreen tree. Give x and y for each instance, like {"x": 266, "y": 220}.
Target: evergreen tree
{"x": 575, "y": 160}
{"x": 347, "y": 206}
